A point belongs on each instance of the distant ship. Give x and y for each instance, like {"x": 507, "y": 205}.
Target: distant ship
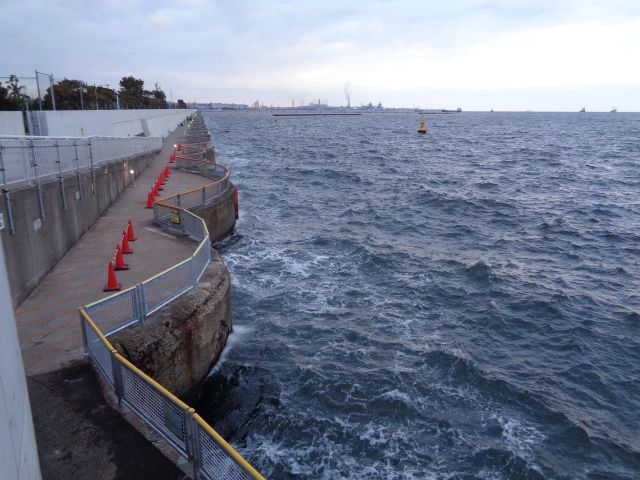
{"x": 614, "y": 110}
{"x": 582, "y": 110}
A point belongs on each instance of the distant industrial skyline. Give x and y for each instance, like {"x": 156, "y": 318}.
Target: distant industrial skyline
{"x": 474, "y": 54}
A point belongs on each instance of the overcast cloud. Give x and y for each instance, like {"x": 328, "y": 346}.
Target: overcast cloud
{"x": 515, "y": 55}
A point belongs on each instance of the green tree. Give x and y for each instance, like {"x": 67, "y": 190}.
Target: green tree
{"x": 157, "y": 98}
{"x": 67, "y": 94}
{"x": 105, "y": 96}
{"x": 10, "y": 96}
{"x": 132, "y": 94}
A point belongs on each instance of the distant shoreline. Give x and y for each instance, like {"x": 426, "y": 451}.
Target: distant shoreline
{"x": 311, "y": 114}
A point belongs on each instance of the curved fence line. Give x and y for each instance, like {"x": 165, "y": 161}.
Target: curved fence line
{"x": 211, "y": 456}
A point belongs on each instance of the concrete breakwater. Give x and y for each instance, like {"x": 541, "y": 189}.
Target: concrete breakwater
{"x": 185, "y": 314}
{"x": 173, "y": 326}
{"x": 179, "y": 344}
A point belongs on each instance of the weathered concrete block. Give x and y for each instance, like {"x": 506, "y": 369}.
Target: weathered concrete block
{"x": 178, "y": 345}
{"x": 219, "y": 216}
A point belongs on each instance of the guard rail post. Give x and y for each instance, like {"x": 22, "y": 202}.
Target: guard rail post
{"x": 77, "y": 161}
{"x": 192, "y": 272}
{"x": 34, "y": 165}
{"x": 203, "y": 196}
{"x": 83, "y": 328}
{"x": 5, "y": 192}
{"x": 140, "y": 303}
{"x": 193, "y": 444}
{"x": 93, "y": 173}
{"x": 116, "y": 369}
{"x": 59, "y": 162}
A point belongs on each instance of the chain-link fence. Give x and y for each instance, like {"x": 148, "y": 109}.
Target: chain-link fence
{"x": 45, "y": 91}
{"x": 28, "y": 159}
{"x": 211, "y": 456}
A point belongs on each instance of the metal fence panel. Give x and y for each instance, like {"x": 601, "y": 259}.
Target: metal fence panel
{"x": 193, "y": 225}
{"x": 116, "y": 312}
{"x": 15, "y": 156}
{"x": 170, "y": 284}
{"x": 20, "y": 153}
{"x": 201, "y": 259}
{"x": 99, "y": 352}
{"x": 158, "y": 410}
{"x": 216, "y": 463}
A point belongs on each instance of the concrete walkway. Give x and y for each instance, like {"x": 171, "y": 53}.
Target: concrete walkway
{"x": 81, "y": 437}
{"x": 48, "y": 322}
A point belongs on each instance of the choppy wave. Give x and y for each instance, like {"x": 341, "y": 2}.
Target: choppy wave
{"x": 460, "y": 305}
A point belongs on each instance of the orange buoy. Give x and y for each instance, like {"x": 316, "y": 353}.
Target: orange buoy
{"x": 422, "y": 128}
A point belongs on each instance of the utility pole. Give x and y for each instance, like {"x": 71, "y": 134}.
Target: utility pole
{"x": 53, "y": 97}
{"x": 81, "y": 98}
{"x": 95, "y": 89}
{"x": 38, "y": 85}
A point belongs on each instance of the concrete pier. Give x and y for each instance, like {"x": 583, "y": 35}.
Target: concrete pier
{"x": 47, "y": 320}
{"x": 65, "y": 399}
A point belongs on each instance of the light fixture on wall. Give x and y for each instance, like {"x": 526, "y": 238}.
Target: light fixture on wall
{"x": 133, "y": 176}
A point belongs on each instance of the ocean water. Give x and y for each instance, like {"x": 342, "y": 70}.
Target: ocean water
{"x": 458, "y": 305}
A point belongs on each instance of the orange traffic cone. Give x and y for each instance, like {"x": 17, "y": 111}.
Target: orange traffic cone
{"x": 112, "y": 284}
{"x": 120, "y": 265}
{"x": 130, "y": 235}
{"x": 150, "y": 199}
{"x": 126, "y": 249}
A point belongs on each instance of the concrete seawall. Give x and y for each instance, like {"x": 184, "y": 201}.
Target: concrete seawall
{"x": 38, "y": 244}
{"x": 220, "y": 216}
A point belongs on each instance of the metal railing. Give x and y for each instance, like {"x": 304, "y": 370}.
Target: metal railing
{"x": 211, "y": 456}
{"x": 33, "y": 158}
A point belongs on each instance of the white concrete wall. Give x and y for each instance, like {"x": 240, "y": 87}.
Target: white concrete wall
{"x": 18, "y": 451}
{"x": 109, "y": 123}
{"x": 11, "y": 123}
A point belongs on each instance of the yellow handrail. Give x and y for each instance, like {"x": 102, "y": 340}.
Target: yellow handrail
{"x": 229, "y": 449}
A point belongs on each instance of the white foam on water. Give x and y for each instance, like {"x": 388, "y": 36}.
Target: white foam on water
{"x": 519, "y": 437}
{"x": 236, "y": 337}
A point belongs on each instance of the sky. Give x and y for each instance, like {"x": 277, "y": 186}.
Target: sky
{"x": 475, "y": 54}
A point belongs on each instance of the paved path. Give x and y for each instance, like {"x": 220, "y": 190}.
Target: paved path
{"x": 48, "y": 322}
{"x": 81, "y": 438}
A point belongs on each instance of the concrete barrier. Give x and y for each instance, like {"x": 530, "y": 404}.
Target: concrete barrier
{"x": 18, "y": 452}
{"x": 108, "y": 123}
{"x": 11, "y": 123}
{"x": 38, "y": 244}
